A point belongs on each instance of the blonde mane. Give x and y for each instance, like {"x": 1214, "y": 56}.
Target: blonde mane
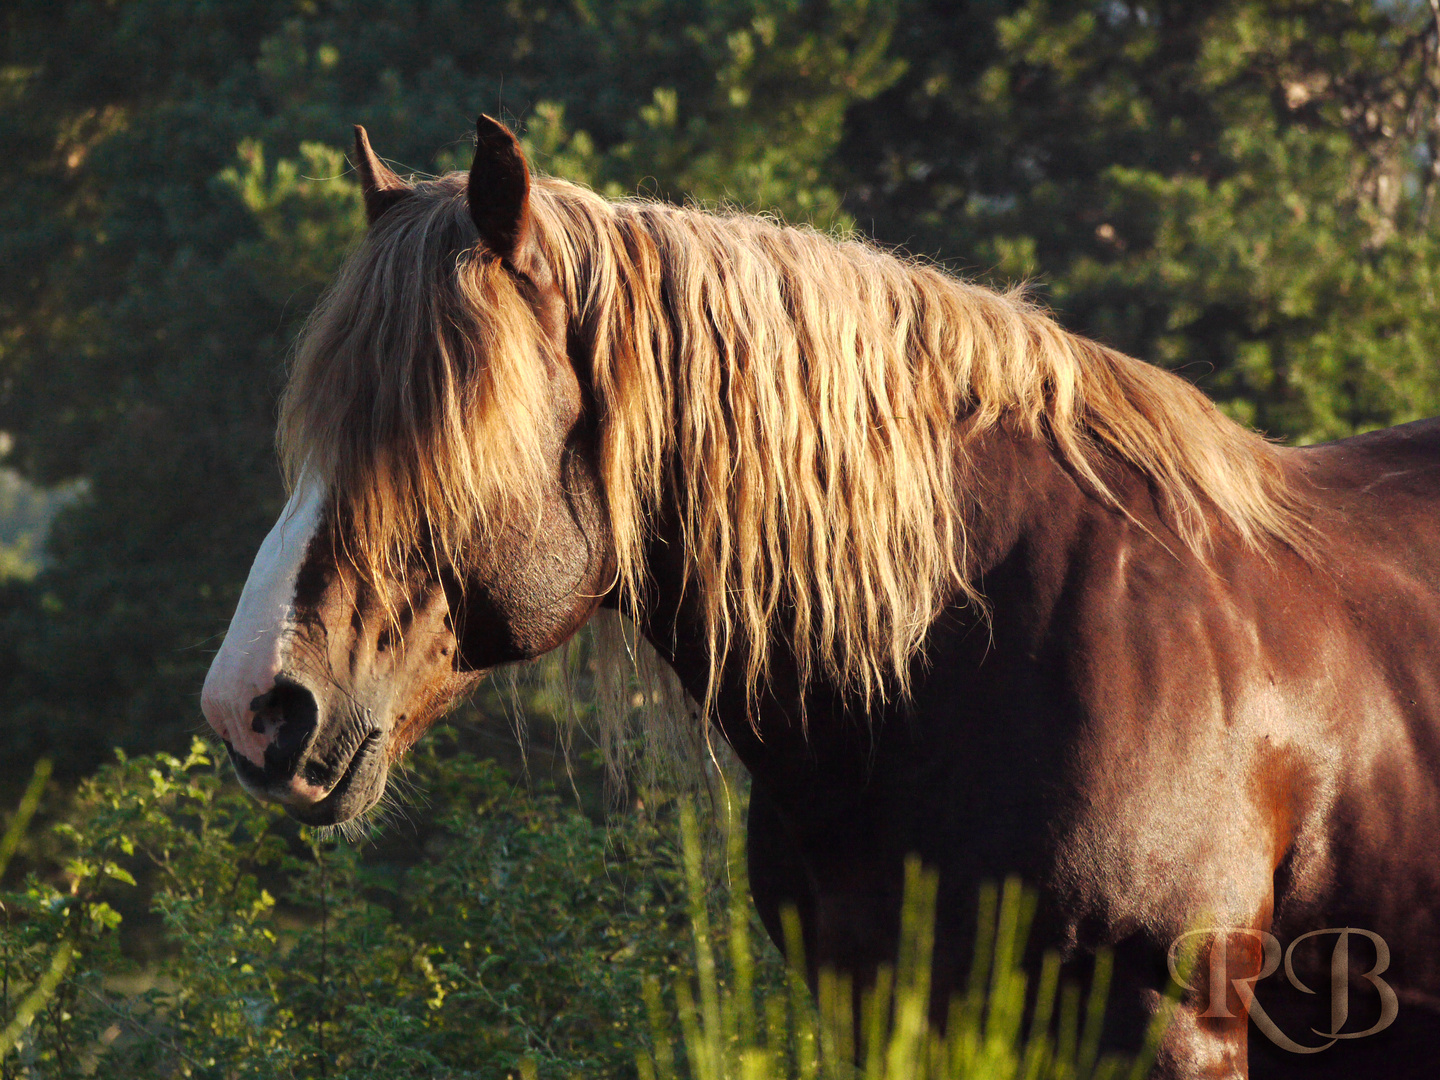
{"x": 794, "y": 401}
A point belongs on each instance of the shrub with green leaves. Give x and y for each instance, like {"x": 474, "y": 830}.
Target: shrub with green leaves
{"x": 508, "y": 935}
{"x": 517, "y": 931}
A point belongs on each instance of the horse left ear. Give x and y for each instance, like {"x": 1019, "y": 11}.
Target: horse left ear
{"x": 379, "y": 185}
{"x": 499, "y": 192}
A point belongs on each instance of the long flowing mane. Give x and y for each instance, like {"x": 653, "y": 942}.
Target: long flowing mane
{"x": 801, "y": 405}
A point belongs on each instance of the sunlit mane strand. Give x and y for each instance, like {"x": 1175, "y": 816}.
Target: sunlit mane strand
{"x": 794, "y": 401}
{"x": 798, "y": 399}
{"x": 415, "y": 391}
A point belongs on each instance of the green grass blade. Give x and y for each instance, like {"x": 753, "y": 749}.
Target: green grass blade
{"x": 29, "y": 803}
{"x": 807, "y": 1061}
{"x": 664, "y": 1050}
{"x": 35, "y": 1000}
{"x": 875, "y": 1006}
{"x": 1095, "y": 1011}
{"x": 711, "y": 1031}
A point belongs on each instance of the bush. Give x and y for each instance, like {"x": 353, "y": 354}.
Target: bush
{"x": 518, "y": 931}
{"x": 512, "y": 936}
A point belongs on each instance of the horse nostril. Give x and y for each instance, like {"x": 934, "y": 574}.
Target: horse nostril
{"x": 288, "y": 715}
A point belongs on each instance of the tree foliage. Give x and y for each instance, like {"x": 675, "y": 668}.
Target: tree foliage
{"x": 178, "y": 198}
{"x": 1242, "y": 191}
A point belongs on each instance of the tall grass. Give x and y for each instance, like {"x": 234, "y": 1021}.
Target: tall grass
{"x": 728, "y": 1031}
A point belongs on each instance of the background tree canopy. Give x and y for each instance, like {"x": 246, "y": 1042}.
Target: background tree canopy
{"x": 1242, "y": 191}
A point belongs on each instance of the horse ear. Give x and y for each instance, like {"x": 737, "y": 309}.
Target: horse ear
{"x": 379, "y": 185}
{"x": 499, "y": 193}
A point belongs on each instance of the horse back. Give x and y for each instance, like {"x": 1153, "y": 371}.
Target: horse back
{"x": 1376, "y": 500}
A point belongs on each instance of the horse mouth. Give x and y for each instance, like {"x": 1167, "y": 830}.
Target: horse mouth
{"x": 360, "y": 786}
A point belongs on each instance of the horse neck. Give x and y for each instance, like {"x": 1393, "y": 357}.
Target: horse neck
{"x": 1018, "y": 495}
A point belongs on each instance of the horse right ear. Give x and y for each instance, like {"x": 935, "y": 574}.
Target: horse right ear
{"x": 379, "y": 185}
{"x": 499, "y": 192}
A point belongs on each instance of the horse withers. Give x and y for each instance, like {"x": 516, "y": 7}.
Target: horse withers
{"x": 949, "y": 579}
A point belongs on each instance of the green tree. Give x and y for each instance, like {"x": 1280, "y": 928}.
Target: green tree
{"x": 1242, "y": 191}
{"x": 178, "y": 198}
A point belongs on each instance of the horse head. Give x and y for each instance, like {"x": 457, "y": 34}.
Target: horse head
{"x": 445, "y": 514}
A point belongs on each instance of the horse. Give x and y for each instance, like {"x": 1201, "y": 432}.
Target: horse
{"x": 948, "y": 579}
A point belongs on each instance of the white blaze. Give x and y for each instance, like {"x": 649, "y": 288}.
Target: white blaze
{"x": 255, "y": 646}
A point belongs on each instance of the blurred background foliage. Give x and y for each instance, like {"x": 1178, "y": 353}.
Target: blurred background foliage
{"x": 1242, "y": 191}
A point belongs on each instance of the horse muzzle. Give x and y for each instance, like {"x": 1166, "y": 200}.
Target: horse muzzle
{"x": 324, "y": 677}
{"x": 322, "y": 769}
